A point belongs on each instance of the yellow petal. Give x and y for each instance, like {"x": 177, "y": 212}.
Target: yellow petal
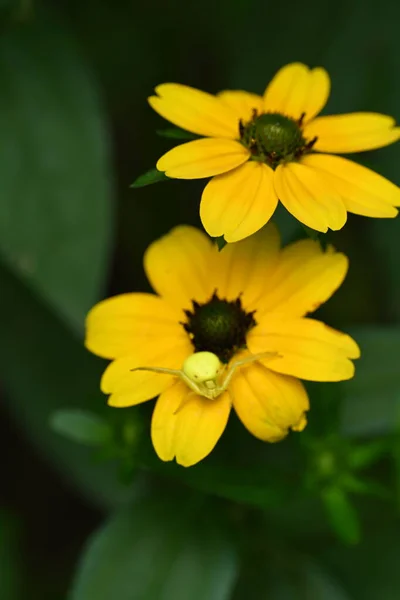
{"x": 203, "y": 158}
{"x": 137, "y": 387}
{"x": 238, "y": 203}
{"x": 364, "y": 192}
{"x": 186, "y": 426}
{"x": 145, "y": 356}
{"x": 304, "y": 278}
{"x": 308, "y": 196}
{"x": 268, "y": 404}
{"x": 132, "y": 387}
{"x": 243, "y": 103}
{"x": 195, "y": 110}
{"x": 245, "y": 268}
{"x": 306, "y": 348}
{"x": 178, "y": 266}
{"x": 116, "y": 326}
{"x": 353, "y": 132}
{"x": 296, "y": 90}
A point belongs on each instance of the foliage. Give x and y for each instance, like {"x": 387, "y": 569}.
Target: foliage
{"x": 303, "y": 519}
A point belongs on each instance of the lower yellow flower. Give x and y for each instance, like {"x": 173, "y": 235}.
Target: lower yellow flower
{"x": 226, "y": 329}
{"x": 262, "y": 149}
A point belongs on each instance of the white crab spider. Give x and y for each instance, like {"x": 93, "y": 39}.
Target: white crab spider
{"x": 204, "y": 373}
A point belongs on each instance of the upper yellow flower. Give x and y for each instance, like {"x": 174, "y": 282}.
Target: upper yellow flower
{"x": 249, "y": 299}
{"x": 261, "y": 149}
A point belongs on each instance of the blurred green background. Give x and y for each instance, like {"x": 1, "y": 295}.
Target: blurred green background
{"x": 87, "y": 512}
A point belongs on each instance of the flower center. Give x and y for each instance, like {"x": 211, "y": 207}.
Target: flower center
{"x": 218, "y": 326}
{"x": 274, "y": 138}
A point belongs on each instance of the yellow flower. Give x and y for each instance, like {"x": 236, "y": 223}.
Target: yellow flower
{"x": 249, "y": 299}
{"x": 259, "y": 149}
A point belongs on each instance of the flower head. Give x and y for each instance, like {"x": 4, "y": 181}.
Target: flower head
{"x": 261, "y": 149}
{"x": 224, "y": 329}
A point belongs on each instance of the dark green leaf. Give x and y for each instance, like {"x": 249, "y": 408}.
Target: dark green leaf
{"x": 152, "y": 176}
{"x": 396, "y": 457}
{"x": 81, "y": 426}
{"x": 384, "y": 239}
{"x": 45, "y": 368}
{"x": 364, "y": 455}
{"x": 370, "y": 571}
{"x": 371, "y": 403}
{"x": 307, "y": 581}
{"x": 254, "y": 478}
{"x": 282, "y": 573}
{"x": 342, "y": 515}
{"x": 176, "y": 134}
{"x": 254, "y": 485}
{"x": 319, "y": 584}
{"x": 55, "y": 213}
{"x": 364, "y": 486}
{"x": 164, "y": 548}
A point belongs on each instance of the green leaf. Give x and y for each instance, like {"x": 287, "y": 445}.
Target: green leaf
{"x": 307, "y": 581}
{"x": 162, "y": 547}
{"x": 253, "y": 485}
{"x": 342, "y": 515}
{"x": 152, "y": 176}
{"x": 81, "y": 426}
{"x": 364, "y": 455}
{"x": 369, "y": 571}
{"x": 45, "y": 368}
{"x": 396, "y": 458}
{"x": 319, "y": 584}
{"x": 56, "y": 210}
{"x": 384, "y": 240}
{"x": 364, "y": 486}
{"x": 282, "y": 573}
{"x": 176, "y": 134}
{"x": 240, "y": 469}
{"x": 371, "y": 403}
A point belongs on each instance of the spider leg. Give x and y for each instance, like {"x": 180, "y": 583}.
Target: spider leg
{"x": 245, "y": 361}
{"x": 230, "y": 396}
{"x": 175, "y": 372}
{"x": 191, "y": 384}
